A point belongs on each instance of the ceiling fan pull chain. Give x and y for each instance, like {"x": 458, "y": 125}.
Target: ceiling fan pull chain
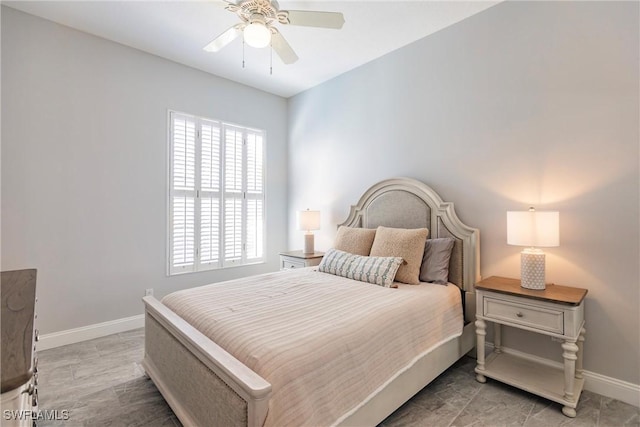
{"x": 243, "y": 53}
{"x": 271, "y": 59}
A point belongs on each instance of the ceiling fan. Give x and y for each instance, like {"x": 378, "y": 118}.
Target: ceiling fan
{"x": 259, "y": 18}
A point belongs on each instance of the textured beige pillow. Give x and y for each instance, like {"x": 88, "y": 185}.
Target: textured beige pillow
{"x": 406, "y": 243}
{"x": 354, "y": 240}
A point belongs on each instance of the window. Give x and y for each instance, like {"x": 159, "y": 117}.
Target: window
{"x": 216, "y": 194}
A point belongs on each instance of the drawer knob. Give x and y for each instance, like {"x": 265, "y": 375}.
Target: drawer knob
{"x": 30, "y": 389}
{"x": 519, "y": 314}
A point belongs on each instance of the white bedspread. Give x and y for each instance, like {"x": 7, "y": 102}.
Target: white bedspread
{"x": 325, "y": 343}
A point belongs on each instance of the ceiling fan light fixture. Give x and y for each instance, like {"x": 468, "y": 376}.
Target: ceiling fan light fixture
{"x": 259, "y": 21}
{"x": 257, "y": 35}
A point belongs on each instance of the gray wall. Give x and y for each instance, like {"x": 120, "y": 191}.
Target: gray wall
{"x": 84, "y": 165}
{"x": 526, "y": 103}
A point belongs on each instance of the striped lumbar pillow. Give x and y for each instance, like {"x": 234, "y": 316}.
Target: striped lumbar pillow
{"x": 377, "y": 270}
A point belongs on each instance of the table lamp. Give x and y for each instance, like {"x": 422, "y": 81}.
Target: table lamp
{"x": 533, "y": 229}
{"x": 307, "y": 221}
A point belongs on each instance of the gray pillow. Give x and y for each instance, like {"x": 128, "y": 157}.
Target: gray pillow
{"x": 435, "y": 262}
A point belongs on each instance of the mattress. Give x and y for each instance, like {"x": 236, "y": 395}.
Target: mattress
{"x": 326, "y": 344}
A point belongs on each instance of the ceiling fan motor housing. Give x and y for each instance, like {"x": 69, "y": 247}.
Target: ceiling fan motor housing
{"x": 250, "y": 10}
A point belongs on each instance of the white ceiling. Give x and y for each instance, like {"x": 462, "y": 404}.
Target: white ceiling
{"x": 177, "y": 30}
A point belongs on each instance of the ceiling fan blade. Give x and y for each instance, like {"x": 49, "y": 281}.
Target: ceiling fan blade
{"x": 282, "y": 48}
{"x": 224, "y": 39}
{"x": 222, "y": 3}
{"x": 308, "y": 18}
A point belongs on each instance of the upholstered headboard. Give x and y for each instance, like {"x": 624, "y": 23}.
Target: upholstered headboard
{"x": 408, "y": 203}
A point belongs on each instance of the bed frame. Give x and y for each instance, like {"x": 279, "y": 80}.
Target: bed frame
{"x": 210, "y": 387}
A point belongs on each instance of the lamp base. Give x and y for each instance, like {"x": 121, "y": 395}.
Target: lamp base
{"x": 532, "y": 269}
{"x": 308, "y": 243}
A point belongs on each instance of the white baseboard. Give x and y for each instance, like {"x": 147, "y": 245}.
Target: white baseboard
{"x": 85, "y": 333}
{"x": 610, "y": 387}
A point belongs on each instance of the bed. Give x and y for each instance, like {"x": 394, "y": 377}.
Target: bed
{"x": 206, "y": 385}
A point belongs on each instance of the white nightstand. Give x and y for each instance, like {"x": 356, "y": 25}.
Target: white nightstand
{"x": 557, "y": 311}
{"x": 298, "y": 259}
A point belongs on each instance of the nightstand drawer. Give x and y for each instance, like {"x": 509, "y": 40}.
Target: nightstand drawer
{"x": 526, "y": 315}
{"x": 299, "y": 259}
{"x": 287, "y": 264}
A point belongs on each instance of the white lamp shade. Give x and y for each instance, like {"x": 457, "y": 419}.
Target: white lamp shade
{"x": 308, "y": 220}
{"x": 257, "y": 35}
{"x": 533, "y": 228}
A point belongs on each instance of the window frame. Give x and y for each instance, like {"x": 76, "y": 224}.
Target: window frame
{"x": 197, "y": 193}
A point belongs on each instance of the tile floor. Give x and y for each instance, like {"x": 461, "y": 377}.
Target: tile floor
{"x": 101, "y": 383}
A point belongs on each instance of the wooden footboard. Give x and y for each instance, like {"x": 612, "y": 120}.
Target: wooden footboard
{"x": 203, "y": 384}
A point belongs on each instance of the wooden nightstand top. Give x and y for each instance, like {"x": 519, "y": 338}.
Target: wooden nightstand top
{"x": 302, "y": 255}
{"x": 553, "y": 293}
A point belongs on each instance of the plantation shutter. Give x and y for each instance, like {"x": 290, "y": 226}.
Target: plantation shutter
{"x": 255, "y": 196}
{"x": 210, "y": 195}
{"x": 182, "y": 194}
{"x": 216, "y": 194}
{"x": 233, "y": 195}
